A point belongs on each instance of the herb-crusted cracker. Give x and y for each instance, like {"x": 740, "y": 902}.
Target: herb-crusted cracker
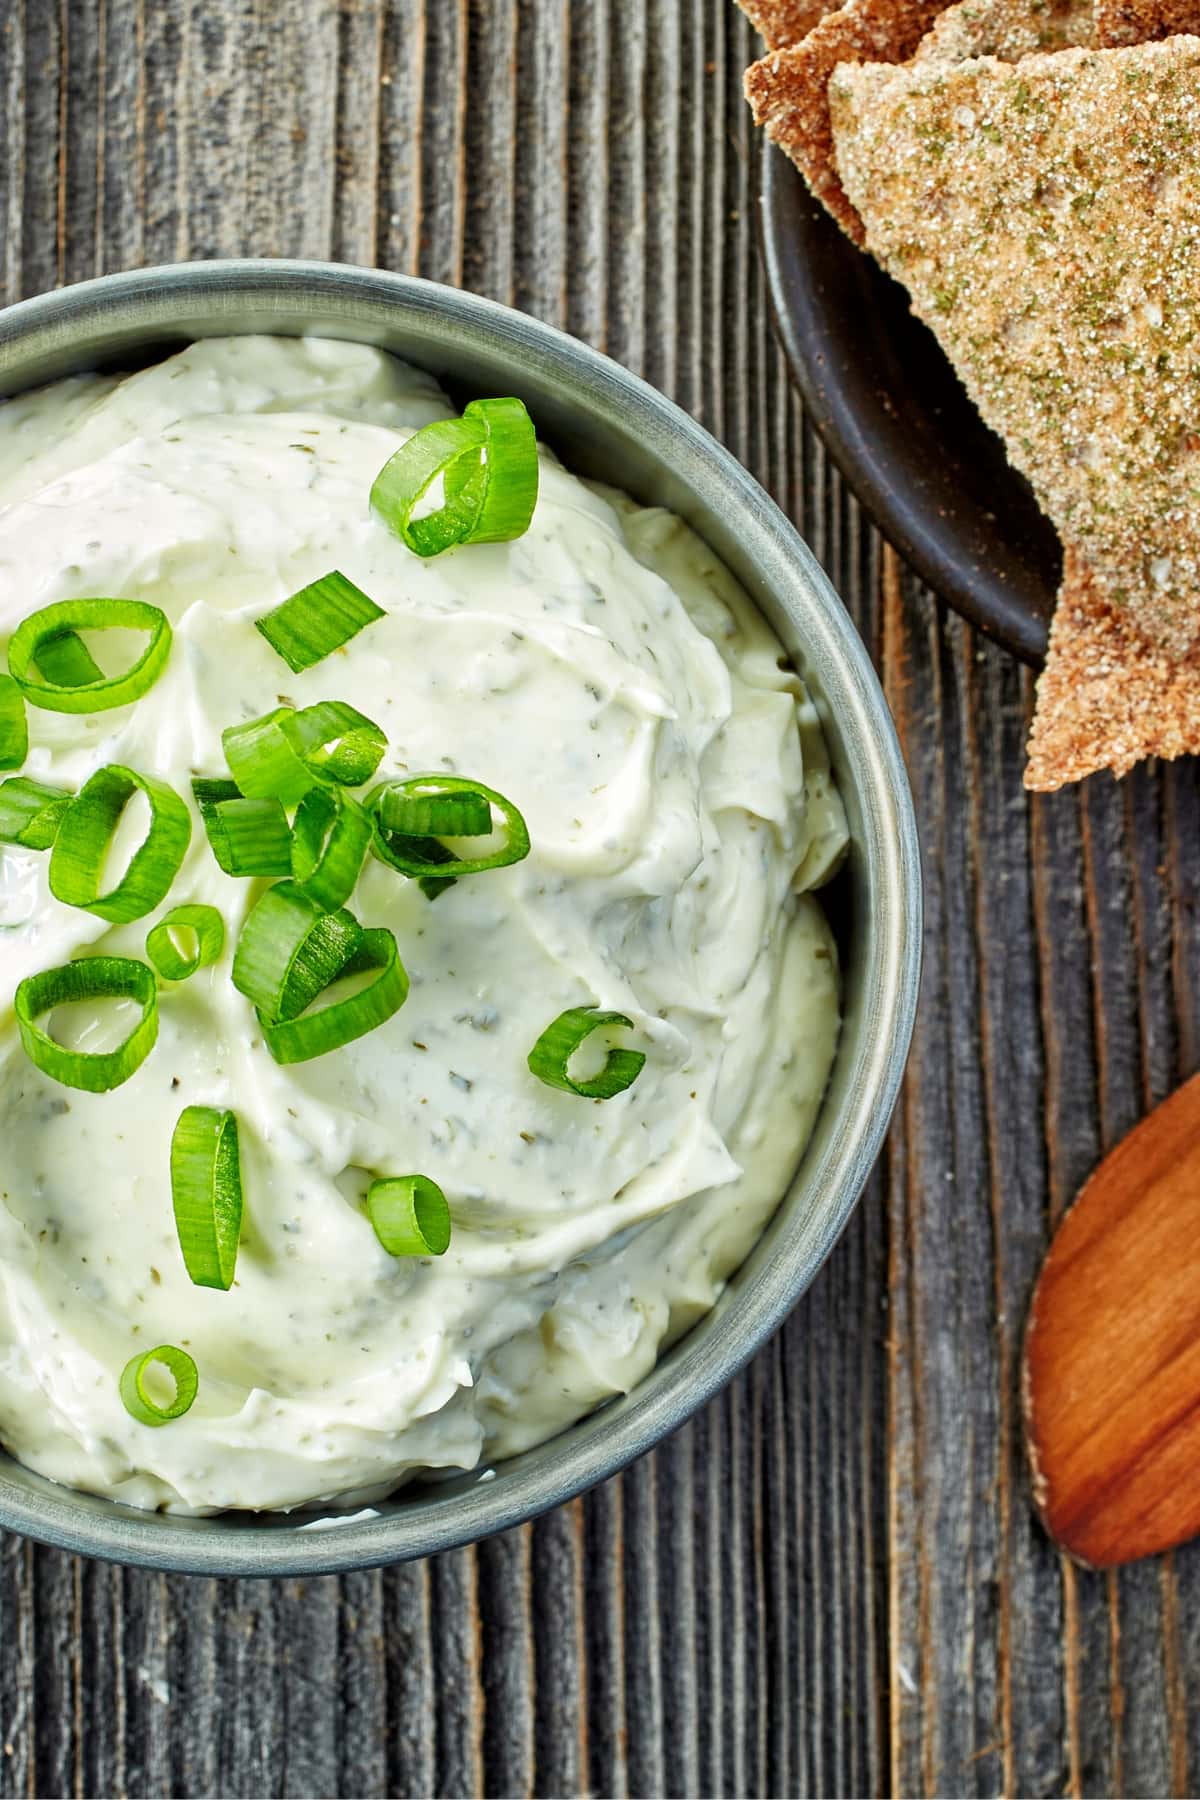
{"x": 1008, "y": 29}
{"x": 1045, "y": 218}
{"x": 1107, "y": 698}
{"x": 1142, "y": 21}
{"x": 782, "y": 22}
{"x": 788, "y": 90}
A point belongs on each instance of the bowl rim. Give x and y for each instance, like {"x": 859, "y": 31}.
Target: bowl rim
{"x": 37, "y": 331}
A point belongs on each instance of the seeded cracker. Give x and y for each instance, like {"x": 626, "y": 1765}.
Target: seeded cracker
{"x": 1008, "y": 29}
{"x": 788, "y": 90}
{"x": 1107, "y": 698}
{"x": 1142, "y": 21}
{"x": 1046, "y": 221}
{"x": 783, "y": 22}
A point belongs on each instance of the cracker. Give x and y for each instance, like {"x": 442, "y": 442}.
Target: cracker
{"x": 1008, "y": 29}
{"x": 1045, "y": 218}
{"x": 1142, "y": 21}
{"x": 1107, "y": 697}
{"x": 783, "y": 22}
{"x": 788, "y": 89}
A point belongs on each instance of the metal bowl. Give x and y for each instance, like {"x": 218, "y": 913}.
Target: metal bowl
{"x": 605, "y": 424}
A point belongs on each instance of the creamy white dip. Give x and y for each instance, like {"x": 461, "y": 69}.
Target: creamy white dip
{"x": 607, "y": 675}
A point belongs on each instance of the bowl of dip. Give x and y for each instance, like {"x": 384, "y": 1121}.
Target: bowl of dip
{"x": 662, "y": 679}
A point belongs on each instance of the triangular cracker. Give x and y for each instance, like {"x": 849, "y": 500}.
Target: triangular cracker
{"x": 783, "y": 22}
{"x": 1106, "y": 698}
{"x": 1007, "y": 29}
{"x": 788, "y": 88}
{"x": 1121, "y": 22}
{"x": 1045, "y": 218}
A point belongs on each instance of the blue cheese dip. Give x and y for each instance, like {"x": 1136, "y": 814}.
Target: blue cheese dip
{"x": 605, "y": 673}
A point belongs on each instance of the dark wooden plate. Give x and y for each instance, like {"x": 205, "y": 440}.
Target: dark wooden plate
{"x": 899, "y": 425}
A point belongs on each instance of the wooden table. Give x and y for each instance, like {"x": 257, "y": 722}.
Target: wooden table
{"x": 832, "y": 1582}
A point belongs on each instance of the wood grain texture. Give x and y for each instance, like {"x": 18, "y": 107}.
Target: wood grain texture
{"x": 832, "y": 1582}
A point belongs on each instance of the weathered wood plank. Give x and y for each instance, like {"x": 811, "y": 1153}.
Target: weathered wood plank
{"x": 831, "y": 1583}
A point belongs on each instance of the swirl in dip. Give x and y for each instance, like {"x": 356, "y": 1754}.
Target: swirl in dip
{"x": 605, "y": 673}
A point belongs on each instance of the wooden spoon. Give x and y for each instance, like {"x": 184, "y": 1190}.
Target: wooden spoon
{"x": 1111, "y": 1378}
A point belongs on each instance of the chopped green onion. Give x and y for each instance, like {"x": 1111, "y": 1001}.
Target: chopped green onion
{"x": 335, "y": 741}
{"x": 319, "y": 619}
{"x": 43, "y": 633}
{"x": 206, "y": 1194}
{"x": 488, "y": 464}
{"x": 330, "y": 836}
{"x": 247, "y": 837}
{"x": 85, "y": 832}
{"x": 64, "y": 660}
{"x": 553, "y": 1051}
{"x": 283, "y": 755}
{"x": 189, "y": 938}
{"x": 250, "y": 837}
{"x": 290, "y": 949}
{"x": 138, "y": 1400}
{"x": 263, "y": 762}
{"x": 410, "y": 1215}
{"x": 95, "y": 978}
{"x": 330, "y": 1027}
{"x": 437, "y": 813}
{"x": 14, "y": 732}
{"x": 421, "y": 856}
{"x": 31, "y": 812}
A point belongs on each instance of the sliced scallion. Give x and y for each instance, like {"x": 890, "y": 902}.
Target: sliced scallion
{"x": 94, "y": 978}
{"x": 250, "y": 837}
{"x": 330, "y": 836}
{"x": 136, "y": 1394}
{"x": 330, "y": 1027}
{"x": 290, "y": 949}
{"x": 64, "y": 660}
{"x": 420, "y": 856}
{"x": 551, "y": 1055}
{"x": 14, "y": 732}
{"x": 49, "y": 631}
{"x": 319, "y": 619}
{"x": 31, "y": 812}
{"x": 410, "y": 1215}
{"x": 335, "y": 741}
{"x": 488, "y": 466}
{"x": 264, "y": 763}
{"x": 85, "y": 831}
{"x": 189, "y": 938}
{"x": 206, "y": 1194}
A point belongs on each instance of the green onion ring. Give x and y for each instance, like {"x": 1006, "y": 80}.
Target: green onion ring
{"x": 262, "y": 761}
{"x": 335, "y": 741}
{"x": 331, "y": 1027}
{"x": 553, "y": 1051}
{"x": 95, "y": 978}
{"x": 250, "y": 837}
{"x": 31, "y": 812}
{"x": 206, "y": 1194}
{"x": 319, "y": 619}
{"x": 488, "y": 463}
{"x": 64, "y": 660}
{"x": 40, "y": 630}
{"x": 440, "y": 812}
{"x": 206, "y": 926}
{"x": 330, "y": 836}
{"x": 14, "y": 732}
{"x": 290, "y": 949}
{"x": 413, "y": 856}
{"x": 410, "y": 1215}
{"x": 85, "y": 831}
{"x": 138, "y": 1401}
